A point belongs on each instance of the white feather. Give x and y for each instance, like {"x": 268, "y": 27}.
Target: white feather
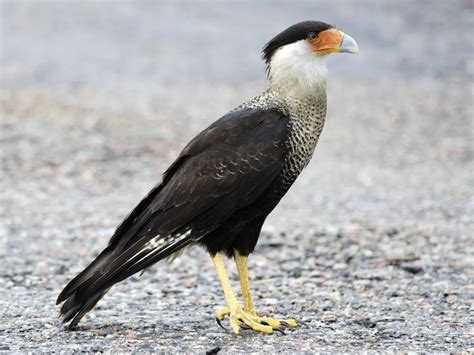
{"x": 297, "y": 69}
{"x": 158, "y": 242}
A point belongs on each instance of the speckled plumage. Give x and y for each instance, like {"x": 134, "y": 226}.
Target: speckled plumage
{"x": 226, "y": 181}
{"x": 307, "y": 115}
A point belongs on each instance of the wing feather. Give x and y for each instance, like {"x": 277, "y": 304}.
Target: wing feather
{"x": 224, "y": 168}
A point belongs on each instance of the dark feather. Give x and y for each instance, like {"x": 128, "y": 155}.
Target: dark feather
{"x": 292, "y": 34}
{"x": 223, "y": 169}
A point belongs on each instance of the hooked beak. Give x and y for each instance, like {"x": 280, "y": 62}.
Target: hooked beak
{"x": 348, "y": 44}
{"x": 333, "y": 41}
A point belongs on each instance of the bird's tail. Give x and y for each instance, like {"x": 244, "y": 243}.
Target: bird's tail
{"x": 76, "y": 296}
{"x": 110, "y": 267}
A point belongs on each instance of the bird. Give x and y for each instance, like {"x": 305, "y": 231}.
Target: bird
{"x": 226, "y": 181}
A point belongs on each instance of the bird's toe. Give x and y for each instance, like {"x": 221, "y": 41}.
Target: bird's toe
{"x": 241, "y": 319}
{"x": 289, "y": 323}
{"x": 222, "y": 312}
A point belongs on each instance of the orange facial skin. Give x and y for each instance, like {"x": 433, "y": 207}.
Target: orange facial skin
{"x": 327, "y": 41}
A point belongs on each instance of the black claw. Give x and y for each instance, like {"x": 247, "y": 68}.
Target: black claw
{"x": 264, "y": 323}
{"x": 279, "y": 330}
{"x": 220, "y": 324}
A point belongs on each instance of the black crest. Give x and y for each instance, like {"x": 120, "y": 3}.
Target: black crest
{"x": 292, "y": 34}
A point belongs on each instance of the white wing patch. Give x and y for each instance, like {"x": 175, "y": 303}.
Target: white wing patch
{"x": 159, "y": 243}
{"x": 168, "y": 241}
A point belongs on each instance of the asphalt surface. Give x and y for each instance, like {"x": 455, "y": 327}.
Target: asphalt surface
{"x": 372, "y": 248}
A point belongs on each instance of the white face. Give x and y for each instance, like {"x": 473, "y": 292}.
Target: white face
{"x": 296, "y": 67}
{"x": 300, "y": 67}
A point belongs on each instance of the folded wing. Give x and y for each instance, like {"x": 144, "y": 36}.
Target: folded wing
{"x": 223, "y": 169}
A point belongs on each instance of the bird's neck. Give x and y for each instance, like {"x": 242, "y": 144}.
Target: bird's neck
{"x": 297, "y": 75}
{"x": 298, "y": 84}
{"x": 292, "y": 87}
{"x": 307, "y": 104}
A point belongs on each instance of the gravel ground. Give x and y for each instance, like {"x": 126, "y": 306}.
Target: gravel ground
{"x": 371, "y": 248}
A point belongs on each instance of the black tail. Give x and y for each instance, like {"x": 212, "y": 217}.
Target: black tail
{"x": 78, "y": 301}
{"x": 109, "y": 268}
{"x": 76, "y": 307}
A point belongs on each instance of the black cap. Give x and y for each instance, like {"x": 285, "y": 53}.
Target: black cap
{"x": 292, "y": 34}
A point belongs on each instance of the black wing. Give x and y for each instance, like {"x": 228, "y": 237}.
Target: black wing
{"x": 223, "y": 169}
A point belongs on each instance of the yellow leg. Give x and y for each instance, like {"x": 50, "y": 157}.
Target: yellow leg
{"x": 233, "y": 309}
{"x": 247, "y": 316}
{"x": 241, "y": 263}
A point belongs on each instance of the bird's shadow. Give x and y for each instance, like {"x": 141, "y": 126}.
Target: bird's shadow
{"x": 164, "y": 330}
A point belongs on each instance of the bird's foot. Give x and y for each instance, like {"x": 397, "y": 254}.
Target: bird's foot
{"x": 240, "y": 318}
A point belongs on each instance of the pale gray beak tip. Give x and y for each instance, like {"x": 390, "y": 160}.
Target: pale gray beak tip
{"x": 348, "y": 45}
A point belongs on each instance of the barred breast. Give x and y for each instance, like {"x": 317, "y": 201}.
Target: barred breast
{"x": 307, "y": 118}
{"x": 307, "y": 113}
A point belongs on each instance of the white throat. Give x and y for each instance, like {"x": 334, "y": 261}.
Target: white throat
{"x": 296, "y": 69}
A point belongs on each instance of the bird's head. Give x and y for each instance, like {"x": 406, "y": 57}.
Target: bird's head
{"x": 297, "y": 56}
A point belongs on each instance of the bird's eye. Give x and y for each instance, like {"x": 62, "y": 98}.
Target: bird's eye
{"x": 313, "y": 35}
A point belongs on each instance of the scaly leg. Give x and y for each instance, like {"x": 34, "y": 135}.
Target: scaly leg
{"x": 237, "y": 315}
{"x": 249, "y": 309}
{"x": 241, "y": 263}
